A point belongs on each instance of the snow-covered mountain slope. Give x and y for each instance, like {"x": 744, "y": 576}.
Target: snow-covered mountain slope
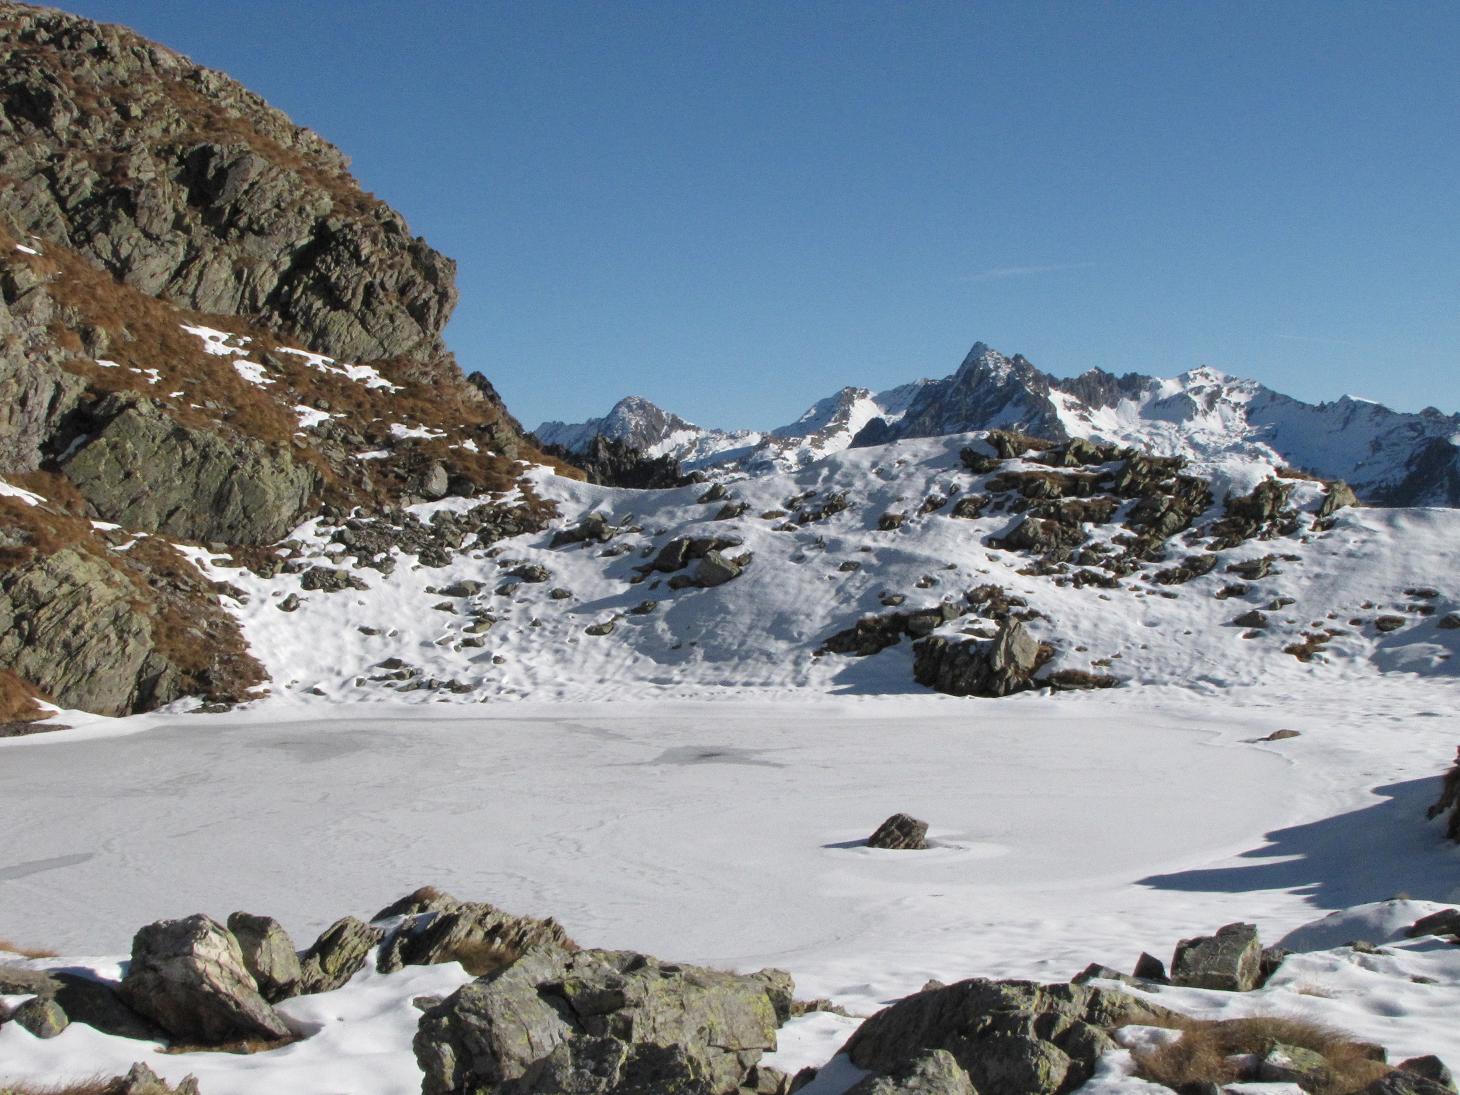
{"x": 1108, "y": 580}
{"x": 1389, "y": 457}
{"x": 827, "y": 426}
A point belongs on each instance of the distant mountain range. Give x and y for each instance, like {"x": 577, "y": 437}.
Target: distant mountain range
{"x": 1215, "y": 420}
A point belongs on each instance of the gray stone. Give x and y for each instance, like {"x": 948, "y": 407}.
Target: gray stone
{"x": 598, "y": 1022}
{"x": 1444, "y": 922}
{"x": 147, "y": 471}
{"x": 715, "y": 570}
{"x": 1150, "y": 968}
{"x": 337, "y": 955}
{"x": 42, "y": 1016}
{"x": 900, "y": 832}
{"x": 1431, "y": 1068}
{"x": 1286, "y": 1064}
{"x": 1010, "y": 1037}
{"x": 480, "y": 936}
{"x": 268, "y": 954}
{"x": 188, "y": 976}
{"x": 1253, "y": 618}
{"x": 996, "y": 667}
{"x": 934, "y": 1073}
{"x": 329, "y": 580}
{"x": 141, "y": 1080}
{"x": 1229, "y": 961}
{"x": 1340, "y": 496}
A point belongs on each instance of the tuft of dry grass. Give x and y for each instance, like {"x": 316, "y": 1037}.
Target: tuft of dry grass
{"x": 1206, "y": 1048}
{"x": 97, "y": 1085}
{"x": 243, "y": 1047}
{"x": 7, "y": 947}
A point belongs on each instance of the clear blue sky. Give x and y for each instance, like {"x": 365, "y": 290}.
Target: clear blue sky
{"x": 735, "y": 208}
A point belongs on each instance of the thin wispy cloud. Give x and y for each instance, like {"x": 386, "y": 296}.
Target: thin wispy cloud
{"x": 1317, "y": 340}
{"x": 1000, "y": 273}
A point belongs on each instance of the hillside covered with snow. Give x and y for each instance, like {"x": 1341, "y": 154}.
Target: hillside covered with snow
{"x": 1389, "y": 457}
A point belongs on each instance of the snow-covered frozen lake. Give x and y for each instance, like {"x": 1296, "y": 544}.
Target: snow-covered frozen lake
{"x": 1068, "y": 829}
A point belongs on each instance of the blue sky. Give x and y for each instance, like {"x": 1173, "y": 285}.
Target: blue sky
{"x": 734, "y": 209}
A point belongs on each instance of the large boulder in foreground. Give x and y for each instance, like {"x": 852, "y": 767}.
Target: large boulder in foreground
{"x": 1008, "y": 1037}
{"x": 601, "y": 1022}
{"x": 188, "y": 976}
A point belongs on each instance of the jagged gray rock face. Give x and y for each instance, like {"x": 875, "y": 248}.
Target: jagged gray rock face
{"x": 600, "y": 1022}
{"x": 268, "y": 954}
{"x": 997, "y": 667}
{"x": 479, "y": 935}
{"x": 191, "y": 188}
{"x": 189, "y": 977}
{"x": 337, "y": 955}
{"x": 1008, "y": 1037}
{"x": 141, "y": 1080}
{"x": 1230, "y": 960}
{"x": 68, "y": 624}
{"x": 145, "y": 470}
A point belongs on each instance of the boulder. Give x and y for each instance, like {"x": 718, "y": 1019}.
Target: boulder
{"x": 1285, "y": 1064}
{"x": 189, "y": 977}
{"x": 1431, "y": 1068}
{"x": 329, "y": 580}
{"x": 1340, "y": 496}
{"x": 42, "y": 1016}
{"x": 1010, "y": 1037}
{"x": 1444, "y": 922}
{"x": 715, "y": 570}
{"x": 1254, "y": 618}
{"x": 595, "y": 1022}
{"x": 1230, "y": 960}
{"x": 1150, "y": 968}
{"x": 996, "y": 667}
{"x": 480, "y": 936}
{"x": 594, "y": 528}
{"x": 900, "y": 832}
{"x": 337, "y": 955}
{"x": 268, "y": 954}
{"x": 1401, "y": 1081}
{"x": 141, "y": 1080}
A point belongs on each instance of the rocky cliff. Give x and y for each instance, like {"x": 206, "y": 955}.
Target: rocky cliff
{"x": 208, "y": 332}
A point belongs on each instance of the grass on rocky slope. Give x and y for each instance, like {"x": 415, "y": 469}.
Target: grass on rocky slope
{"x": 1210, "y": 1051}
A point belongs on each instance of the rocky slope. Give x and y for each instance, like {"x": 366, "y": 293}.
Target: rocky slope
{"x": 1390, "y": 458}
{"x": 208, "y": 333}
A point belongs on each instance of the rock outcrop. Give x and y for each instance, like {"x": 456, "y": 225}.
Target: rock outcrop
{"x": 1230, "y": 960}
{"x": 188, "y": 976}
{"x": 1006, "y": 1037}
{"x": 148, "y": 202}
{"x": 995, "y": 667}
{"x": 601, "y": 1022}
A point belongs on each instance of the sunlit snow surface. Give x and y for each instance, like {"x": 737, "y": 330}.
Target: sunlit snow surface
{"x": 1067, "y": 830}
{"x": 700, "y": 785}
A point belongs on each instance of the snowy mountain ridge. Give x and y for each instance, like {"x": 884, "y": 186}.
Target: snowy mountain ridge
{"x": 1209, "y": 417}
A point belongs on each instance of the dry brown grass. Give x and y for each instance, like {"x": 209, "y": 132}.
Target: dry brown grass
{"x": 7, "y": 947}
{"x": 481, "y": 957}
{"x": 18, "y": 704}
{"x": 242, "y": 1047}
{"x": 1204, "y": 1052}
{"x": 97, "y": 1085}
